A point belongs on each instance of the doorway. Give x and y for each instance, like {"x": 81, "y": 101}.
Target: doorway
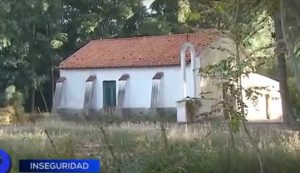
{"x": 109, "y": 94}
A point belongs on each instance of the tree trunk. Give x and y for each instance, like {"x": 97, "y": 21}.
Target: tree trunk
{"x": 290, "y": 47}
{"x": 44, "y": 100}
{"x": 32, "y": 99}
{"x": 287, "y": 113}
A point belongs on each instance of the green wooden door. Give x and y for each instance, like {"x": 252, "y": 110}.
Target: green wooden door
{"x": 109, "y": 93}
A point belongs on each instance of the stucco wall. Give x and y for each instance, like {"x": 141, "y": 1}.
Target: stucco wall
{"x": 213, "y": 55}
{"x": 257, "y": 108}
{"x": 138, "y": 93}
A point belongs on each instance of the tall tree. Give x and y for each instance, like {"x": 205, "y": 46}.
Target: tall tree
{"x": 290, "y": 19}
{"x": 34, "y": 30}
{"x": 275, "y": 11}
{"x": 282, "y": 72}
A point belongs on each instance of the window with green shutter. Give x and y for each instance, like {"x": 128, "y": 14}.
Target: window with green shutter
{"x": 109, "y": 93}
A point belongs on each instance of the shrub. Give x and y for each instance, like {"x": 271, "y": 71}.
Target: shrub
{"x": 14, "y": 100}
{"x": 7, "y": 115}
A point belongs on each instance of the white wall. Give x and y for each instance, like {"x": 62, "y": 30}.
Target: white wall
{"x": 257, "y": 111}
{"x": 139, "y": 86}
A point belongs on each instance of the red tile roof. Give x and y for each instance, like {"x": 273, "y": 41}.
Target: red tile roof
{"x": 144, "y": 51}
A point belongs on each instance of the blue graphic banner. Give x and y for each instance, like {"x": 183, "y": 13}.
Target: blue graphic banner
{"x": 64, "y": 166}
{"x": 5, "y": 162}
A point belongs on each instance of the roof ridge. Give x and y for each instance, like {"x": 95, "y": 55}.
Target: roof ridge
{"x": 150, "y": 36}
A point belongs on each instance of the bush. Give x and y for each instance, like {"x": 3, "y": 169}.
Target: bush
{"x": 7, "y": 115}
{"x": 13, "y": 97}
{"x": 13, "y": 100}
{"x": 11, "y": 115}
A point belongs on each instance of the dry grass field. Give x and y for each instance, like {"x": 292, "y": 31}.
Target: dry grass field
{"x": 146, "y": 147}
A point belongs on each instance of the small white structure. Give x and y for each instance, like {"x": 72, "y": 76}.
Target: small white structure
{"x": 138, "y": 74}
{"x": 267, "y": 105}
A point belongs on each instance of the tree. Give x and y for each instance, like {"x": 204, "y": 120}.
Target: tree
{"x": 291, "y": 37}
{"x": 275, "y": 11}
{"x": 34, "y": 31}
{"x": 172, "y": 13}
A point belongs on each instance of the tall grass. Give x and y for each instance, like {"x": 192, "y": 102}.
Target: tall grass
{"x": 141, "y": 148}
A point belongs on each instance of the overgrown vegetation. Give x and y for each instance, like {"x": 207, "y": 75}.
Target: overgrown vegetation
{"x": 140, "y": 147}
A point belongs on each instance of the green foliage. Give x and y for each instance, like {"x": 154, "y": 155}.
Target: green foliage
{"x": 235, "y": 121}
{"x": 174, "y": 13}
{"x": 295, "y": 101}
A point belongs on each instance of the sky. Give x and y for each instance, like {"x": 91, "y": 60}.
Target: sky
{"x": 147, "y": 3}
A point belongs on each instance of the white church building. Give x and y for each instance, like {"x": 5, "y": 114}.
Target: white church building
{"x": 138, "y": 74}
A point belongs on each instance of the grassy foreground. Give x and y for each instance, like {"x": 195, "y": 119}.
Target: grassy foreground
{"x": 144, "y": 147}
